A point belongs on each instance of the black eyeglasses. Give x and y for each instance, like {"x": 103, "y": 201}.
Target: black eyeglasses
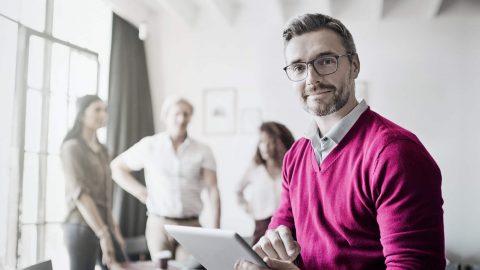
{"x": 323, "y": 65}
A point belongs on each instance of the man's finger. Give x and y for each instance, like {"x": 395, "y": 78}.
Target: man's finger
{"x": 277, "y": 243}
{"x": 258, "y": 249}
{"x": 280, "y": 265}
{"x": 238, "y": 265}
{"x": 268, "y": 248}
{"x": 246, "y": 265}
{"x": 292, "y": 247}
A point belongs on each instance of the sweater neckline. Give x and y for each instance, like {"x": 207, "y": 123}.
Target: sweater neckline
{"x": 338, "y": 150}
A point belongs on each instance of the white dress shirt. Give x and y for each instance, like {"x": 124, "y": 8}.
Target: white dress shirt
{"x": 174, "y": 179}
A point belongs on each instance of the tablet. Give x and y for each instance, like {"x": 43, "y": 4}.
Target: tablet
{"x": 215, "y": 249}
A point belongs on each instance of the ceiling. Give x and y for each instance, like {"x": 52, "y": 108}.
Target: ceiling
{"x": 138, "y": 11}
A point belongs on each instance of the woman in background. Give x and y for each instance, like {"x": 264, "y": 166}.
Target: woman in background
{"x": 90, "y": 233}
{"x": 263, "y": 179}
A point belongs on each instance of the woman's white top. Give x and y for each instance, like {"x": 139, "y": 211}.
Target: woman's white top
{"x": 261, "y": 191}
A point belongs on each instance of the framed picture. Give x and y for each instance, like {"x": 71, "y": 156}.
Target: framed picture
{"x": 220, "y": 106}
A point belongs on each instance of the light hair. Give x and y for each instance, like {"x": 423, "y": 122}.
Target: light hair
{"x": 170, "y": 102}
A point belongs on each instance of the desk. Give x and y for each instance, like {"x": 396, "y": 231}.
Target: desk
{"x": 141, "y": 265}
{"x": 146, "y": 265}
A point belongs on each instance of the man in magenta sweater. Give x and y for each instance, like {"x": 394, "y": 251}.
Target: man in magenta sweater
{"x": 359, "y": 192}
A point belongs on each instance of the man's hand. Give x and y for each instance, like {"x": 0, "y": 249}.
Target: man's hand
{"x": 278, "y": 244}
{"x": 272, "y": 264}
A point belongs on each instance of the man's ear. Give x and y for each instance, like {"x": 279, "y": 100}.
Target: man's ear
{"x": 356, "y": 66}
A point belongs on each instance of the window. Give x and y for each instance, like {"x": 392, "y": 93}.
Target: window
{"x": 86, "y": 23}
{"x": 9, "y": 30}
{"x": 50, "y": 109}
{"x": 60, "y": 55}
{"x": 30, "y": 13}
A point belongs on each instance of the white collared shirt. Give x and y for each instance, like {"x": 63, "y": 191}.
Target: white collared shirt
{"x": 174, "y": 179}
{"x": 324, "y": 145}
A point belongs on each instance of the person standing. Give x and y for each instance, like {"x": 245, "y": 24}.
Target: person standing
{"x": 89, "y": 229}
{"x": 177, "y": 169}
{"x": 263, "y": 179}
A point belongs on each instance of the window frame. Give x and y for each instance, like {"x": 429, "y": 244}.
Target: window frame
{"x": 14, "y": 223}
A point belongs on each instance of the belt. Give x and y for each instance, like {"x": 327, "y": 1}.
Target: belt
{"x": 174, "y": 218}
{"x": 181, "y": 218}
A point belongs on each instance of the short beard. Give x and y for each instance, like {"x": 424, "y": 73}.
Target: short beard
{"x": 340, "y": 99}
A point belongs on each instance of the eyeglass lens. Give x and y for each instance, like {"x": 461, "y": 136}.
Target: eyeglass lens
{"x": 323, "y": 66}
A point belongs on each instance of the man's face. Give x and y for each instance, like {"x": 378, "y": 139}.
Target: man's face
{"x": 322, "y": 94}
{"x": 178, "y": 118}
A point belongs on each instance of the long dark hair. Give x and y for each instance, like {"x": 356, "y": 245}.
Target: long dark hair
{"x": 278, "y": 132}
{"x": 82, "y": 104}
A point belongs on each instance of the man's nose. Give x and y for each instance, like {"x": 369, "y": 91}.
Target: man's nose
{"x": 182, "y": 119}
{"x": 312, "y": 75}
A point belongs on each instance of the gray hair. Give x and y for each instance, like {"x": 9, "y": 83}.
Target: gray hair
{"x": 170, "y": 101}
{"x": 312, "y": 22}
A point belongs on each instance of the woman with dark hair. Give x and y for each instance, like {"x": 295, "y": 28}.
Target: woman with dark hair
{"x": 259, "y": 190}
{"x": 90, "y": 233}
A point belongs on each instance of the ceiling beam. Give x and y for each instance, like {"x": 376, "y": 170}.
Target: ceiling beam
{"x": 186, "y": 10}
{"x": 408, "y": 9}
{"x": 228, "y": 9}
{"x": 434, "y": 9}
{"x": 292, "y": 8}
{"x": 134, "y": 12}
{"x": 357, "y": 9}
{"x": 449, "y": 6}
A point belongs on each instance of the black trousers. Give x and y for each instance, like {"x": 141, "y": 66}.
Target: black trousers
{"x": 84, "y": 249}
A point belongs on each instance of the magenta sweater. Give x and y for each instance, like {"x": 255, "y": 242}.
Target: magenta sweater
{"x": 375, "y": 202}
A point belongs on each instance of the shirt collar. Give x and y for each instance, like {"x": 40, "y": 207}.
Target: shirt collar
{"x": 340, "y": 129}
{"x": 184, "y": 144}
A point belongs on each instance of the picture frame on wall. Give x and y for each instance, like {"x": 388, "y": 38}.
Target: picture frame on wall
{"x": 220, "y": 111}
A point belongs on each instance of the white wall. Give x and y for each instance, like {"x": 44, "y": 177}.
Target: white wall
{"x": 422, "y": 74}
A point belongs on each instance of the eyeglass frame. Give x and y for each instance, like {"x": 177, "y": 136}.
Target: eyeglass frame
{"x": 311, "y": 63}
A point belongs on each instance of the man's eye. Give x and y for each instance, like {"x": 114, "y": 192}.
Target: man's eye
{"x": 297, "y": 68}
{"x": 326, "y": 61}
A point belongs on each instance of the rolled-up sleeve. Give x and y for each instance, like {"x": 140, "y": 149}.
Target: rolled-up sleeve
{"x": 75, "y": 177}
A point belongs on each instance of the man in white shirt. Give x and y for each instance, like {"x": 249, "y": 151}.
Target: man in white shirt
{"x": 177, "y": 169}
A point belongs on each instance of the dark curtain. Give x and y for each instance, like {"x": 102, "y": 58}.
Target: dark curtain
{"x": 130, "y": 115}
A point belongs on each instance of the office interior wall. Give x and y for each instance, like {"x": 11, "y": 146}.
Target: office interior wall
{"x": 421, "y": 73}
